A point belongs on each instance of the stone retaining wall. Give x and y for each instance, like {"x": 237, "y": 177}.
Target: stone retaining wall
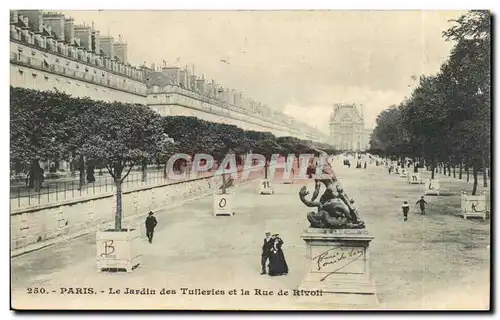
{"x": 37, "y": 224}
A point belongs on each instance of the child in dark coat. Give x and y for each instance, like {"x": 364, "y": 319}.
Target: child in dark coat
{"x": 406, "y": 209}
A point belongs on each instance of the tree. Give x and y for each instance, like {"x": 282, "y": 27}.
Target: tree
{"x": 469, "y": 71}
{"x": 121, "y": 136}
{"x": 37, "y": 128}
{"x": 447, "y": 118}
{"x": 267, "y": 148}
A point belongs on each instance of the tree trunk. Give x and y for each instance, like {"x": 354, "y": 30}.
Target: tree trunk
{"x": 81, "y": 165}
{"x": 485, "y": 177}
{"x": 36, "y": 176}
{"x": 265, "y": 170}
{"x": 73, "y": 166}
{"x": 454, "y": 172}
{"x": 449, "y": 169}
{"x": 118, "y": 214}
{"x": 460, "y": 171}
{"x": 224, "y": 187}
{"x": 474, "y": 174}
{"x": 433, "y": 169}
{"x": 144, "y": 171}
{"x": 467, "y": 173}
{"x": 165, "y": 176}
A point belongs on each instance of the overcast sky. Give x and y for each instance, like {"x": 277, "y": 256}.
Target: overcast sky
{"x": 301, "y": 62}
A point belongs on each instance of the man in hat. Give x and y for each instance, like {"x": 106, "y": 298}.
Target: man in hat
{"x": 150, "y": 226}
{"x": 266, "y": 249}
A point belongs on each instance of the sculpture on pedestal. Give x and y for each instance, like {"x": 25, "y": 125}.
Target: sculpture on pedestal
{"x": 335, "y": 209}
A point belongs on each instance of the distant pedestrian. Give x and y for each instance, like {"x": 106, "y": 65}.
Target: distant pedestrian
{"x": 406, "y": 209}
{"x": 365, "y": 164}
{"x": 151, "y": 223}
{"x": 422, "y": 204}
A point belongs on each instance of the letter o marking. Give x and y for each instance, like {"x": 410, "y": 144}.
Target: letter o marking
{"x": 222, "y": 203}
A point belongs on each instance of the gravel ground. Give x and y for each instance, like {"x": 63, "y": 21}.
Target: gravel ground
{"x": 436, "y": 261}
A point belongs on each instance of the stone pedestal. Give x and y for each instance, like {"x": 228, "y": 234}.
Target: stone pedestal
{"x": 339, "y": 268}
{"x": 403, "y": 173}
{"x": 223, "y": 205}
{"x": 473, "y": 206}
{"x": 118, "y": 249}
{"x": 265, "y": 187}
{"x": 432, "y": 187}
{"x": 415, "y": 178}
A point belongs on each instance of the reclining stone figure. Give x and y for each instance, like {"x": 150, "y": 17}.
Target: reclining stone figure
{"x": 335, "y": 210}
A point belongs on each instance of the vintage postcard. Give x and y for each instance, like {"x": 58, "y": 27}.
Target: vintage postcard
{"x": 250, "y": 160}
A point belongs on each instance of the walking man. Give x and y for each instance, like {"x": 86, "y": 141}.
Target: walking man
{"x": 422, "y": 204}
{"x": 406, "y": 209}
{"x": 266, "y": 249}
{"x": 150, "y": 226}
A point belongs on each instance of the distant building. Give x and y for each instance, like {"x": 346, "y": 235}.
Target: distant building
{"x": 48, "y": 51}
{"x": 347, "y": 128}
{"x": 120, "y": 51}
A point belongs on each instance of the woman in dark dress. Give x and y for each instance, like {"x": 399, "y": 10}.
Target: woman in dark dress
{"x": 277, "y": 262}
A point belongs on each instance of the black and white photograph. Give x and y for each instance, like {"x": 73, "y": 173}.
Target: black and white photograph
{"x": 250, "y": 159}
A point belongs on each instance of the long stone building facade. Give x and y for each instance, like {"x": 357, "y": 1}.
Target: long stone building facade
{"x": 347, "y": 128}
{"x": 49, "y": 52}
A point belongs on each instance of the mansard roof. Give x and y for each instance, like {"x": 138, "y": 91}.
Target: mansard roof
{"x": 346, "y": 113}
{"x": 159, "y": 79}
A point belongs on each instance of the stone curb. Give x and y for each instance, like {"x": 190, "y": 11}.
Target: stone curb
{"x": 49, "y": 243}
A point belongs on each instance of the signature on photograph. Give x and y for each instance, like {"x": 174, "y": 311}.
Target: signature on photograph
{"x": 337, "y": 257}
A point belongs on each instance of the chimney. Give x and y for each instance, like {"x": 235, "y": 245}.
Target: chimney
{"x": 200, "y": 85}
{"x": 183, "y": 78}
{"x": 96, "y": 41}
{"x": 173, "y": 73}
{"x": 69, "y": 31}
{"x": 85, "y": 35}
{"x": 35, "y": 19}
